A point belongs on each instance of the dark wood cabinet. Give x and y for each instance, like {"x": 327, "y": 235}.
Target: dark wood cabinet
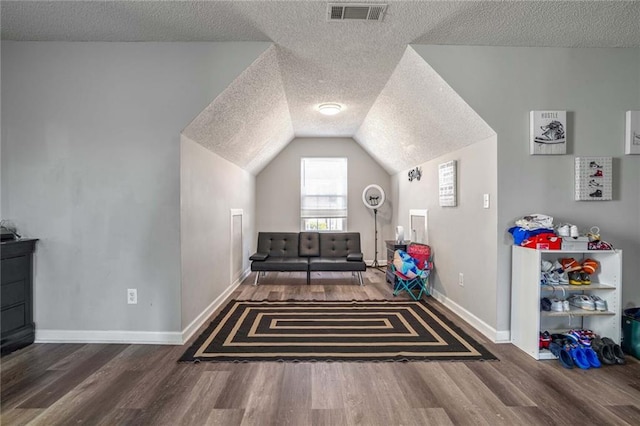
{"x": 392, "y": 246}
{"x": 16, "y": 298}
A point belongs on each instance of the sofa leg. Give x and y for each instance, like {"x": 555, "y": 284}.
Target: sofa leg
{"x": 360, "y": 279}
{"x": 255, "y": 282}
{"x": 308, "y": 277}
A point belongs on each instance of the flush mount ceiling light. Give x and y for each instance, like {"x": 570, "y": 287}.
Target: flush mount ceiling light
{"x": 329, "y": 108}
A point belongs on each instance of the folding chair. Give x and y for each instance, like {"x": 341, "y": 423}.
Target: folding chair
{"x": 417, "y": 278}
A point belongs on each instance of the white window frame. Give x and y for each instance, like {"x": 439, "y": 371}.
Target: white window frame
{"x": 326, "y": 214}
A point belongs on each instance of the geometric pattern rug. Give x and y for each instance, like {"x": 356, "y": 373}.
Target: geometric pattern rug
{"x": 333, "y": 331}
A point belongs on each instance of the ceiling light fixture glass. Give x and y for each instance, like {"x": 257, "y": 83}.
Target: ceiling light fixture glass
{"x": 329, "y": 108}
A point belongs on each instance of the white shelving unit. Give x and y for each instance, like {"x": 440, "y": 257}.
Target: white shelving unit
{"x": 527, "y": 320}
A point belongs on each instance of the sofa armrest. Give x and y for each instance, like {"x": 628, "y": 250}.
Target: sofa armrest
{"x": 259, "y": 256}
{"x": 356, "y": 257}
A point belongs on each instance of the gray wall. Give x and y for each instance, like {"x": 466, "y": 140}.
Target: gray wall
{"x": 278, "y": 190}
{"x": 91, "y": 166}
{"x": 210, "y": 187}
{"x": 462, "y": 237}
{"x": 596, "y": 87}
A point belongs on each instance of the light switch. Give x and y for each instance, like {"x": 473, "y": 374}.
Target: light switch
{"x": 485, "y": 201}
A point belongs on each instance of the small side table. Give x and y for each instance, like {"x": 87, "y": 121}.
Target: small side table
{"x": 392, "y": 246}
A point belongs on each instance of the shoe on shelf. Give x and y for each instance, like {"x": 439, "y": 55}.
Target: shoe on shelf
{"x": 593, "y": 183}
{"x": 573, "y": 231}
{"x": 557, "y": 266}
{"x": 569, "y": 264}
{"x": 574, "y": 278}
{"x": 601, "y": 304}
{"x": 557, "y": 305}
{"x": 597, "y": 173}
{"x": 585, "y": 278}
{"x": 552, "y": 278}
{"x": 564, "y": 230}
{"x": 589, "y": 266}
{"x": 563, "y": 278}
{"x": 546, "y": 266}
{"x": 545, "y": 304}
{"x": 545, "y": 339}
{"x": 595, "y": 165}
{"x": 582, "y": 301}
{"x": 565, "y": 306}
{"x": 596, "y": 194}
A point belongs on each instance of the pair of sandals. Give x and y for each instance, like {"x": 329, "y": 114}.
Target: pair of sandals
{"x": 608, "y": 351}
{"x": 573, "y": 355}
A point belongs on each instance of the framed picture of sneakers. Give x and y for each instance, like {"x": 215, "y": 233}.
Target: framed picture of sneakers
{"x": 594, "y": 178}
{"x": 632, "y": 133}
{"x": 547, "y": 132}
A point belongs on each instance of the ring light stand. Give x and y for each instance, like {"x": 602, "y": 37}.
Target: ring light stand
{"x": 373, "y": 198}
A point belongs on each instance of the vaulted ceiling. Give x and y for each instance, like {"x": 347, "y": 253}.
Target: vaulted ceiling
{"x": 395, "y": 105}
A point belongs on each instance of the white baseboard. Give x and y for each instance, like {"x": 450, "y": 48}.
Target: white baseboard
{"x": 137, "y": 337}
{"x": 496, "y": 336}
{"x": 109, "y": 336}
{"x": 380, "y": 262}
{"x": 204, "y": 315}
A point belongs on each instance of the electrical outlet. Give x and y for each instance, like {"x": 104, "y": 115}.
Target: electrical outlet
{"x": 485, "y": 201}
{"x": 461, "y": 279}
{"x": 132, "y": 296}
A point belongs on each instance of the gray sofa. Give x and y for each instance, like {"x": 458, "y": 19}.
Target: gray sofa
{"x": 307, "y": 252}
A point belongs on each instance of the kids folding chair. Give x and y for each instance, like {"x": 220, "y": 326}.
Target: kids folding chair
{"x": 412, "y": 269}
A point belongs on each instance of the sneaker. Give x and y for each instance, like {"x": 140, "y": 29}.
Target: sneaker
{"x": 585, "y": 278}
{"x": 594, "y": 184}
{"x": 596, "y": 194}
{"x": 552, "y": 278}
{"x": 582, "y": 301}
{"x": 545, "y": 304}
{"x": 589, "y": 266}
{"x": 564, "y": 230}
{"x": 565, "y": 306}
{"x": 557, "y": 267}
{"x": 600, "y": 304}
{"x": 546, "y": 266}
{"x": 574, "y": 278}
{"x": 595, "y": 165}
{"x": 573, "y": 231}
{"x": 544, "y": 340}
{"x": 569, "y": 264}
{"x": 563, "y": 278}
{"x": 557, "y": 305}
{"x": 598, "y": 173}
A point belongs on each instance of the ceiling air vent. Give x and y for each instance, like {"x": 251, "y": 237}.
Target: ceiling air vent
{"x": 355, "y": 12}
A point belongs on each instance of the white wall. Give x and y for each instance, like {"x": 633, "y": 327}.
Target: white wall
{"x": 91, "y": 166}
{"x": 278, "y": 190}
{"x": 462, "y": 237}
{"x": 596, "y": 87}
{"x": 210, "y": 187}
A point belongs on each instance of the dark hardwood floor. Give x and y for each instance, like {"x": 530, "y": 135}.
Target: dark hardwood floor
{"x": 63, "y": 384}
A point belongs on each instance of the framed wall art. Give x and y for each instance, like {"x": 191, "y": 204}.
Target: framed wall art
{"x": 632, "y": 133}
{"x": 447, "y": 184}
{"x": 594, "y": 178}
{"x": 547, "y": 132}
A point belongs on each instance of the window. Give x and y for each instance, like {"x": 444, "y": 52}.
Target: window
{"x": 323, "y": 198}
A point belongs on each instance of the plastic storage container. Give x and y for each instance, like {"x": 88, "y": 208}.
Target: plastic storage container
{"x": 631, "y": 332}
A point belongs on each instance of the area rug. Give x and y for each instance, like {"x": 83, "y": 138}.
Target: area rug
{"x": 333, "y": 331}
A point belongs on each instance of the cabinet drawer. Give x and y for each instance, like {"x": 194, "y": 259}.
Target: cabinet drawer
{"x": 13, "y": 293}
{"x": 14, "y": 269}
{"x": 13, "y": 318}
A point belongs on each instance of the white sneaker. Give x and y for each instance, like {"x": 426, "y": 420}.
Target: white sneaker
{"x": 563, "y": 278}
{"x": 565, "y": 306}
{"x": 601, "y": 305}
{"x": 557, "y": 305}
{"x": 546, "y": 266}
{"x": 574, "y": 231}
{"x": 564, "y": 230}
{"x": 582, "y": 301}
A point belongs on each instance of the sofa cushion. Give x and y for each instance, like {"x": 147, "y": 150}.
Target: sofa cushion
{"x": 335, "y": 264}
{"x": 281, "y": 264}
{"x": 357, "y": 257}
{"x": 278, "y": 244}
{"x": 339, "y": 244}
{"x": 259, "y": 256}
{"x": 309, "y": 244}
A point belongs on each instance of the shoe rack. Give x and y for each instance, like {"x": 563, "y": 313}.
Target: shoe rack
{"x": 527, "y": 320}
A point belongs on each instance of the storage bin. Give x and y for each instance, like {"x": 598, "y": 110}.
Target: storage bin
{"x": 631, "y": 332}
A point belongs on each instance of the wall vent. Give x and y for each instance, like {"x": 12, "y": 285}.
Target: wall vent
{"x": 355, "y": 12}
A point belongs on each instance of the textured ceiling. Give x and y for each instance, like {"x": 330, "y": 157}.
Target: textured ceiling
{"x": 318, "y": 61}
{"x": 390, "y": 131}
